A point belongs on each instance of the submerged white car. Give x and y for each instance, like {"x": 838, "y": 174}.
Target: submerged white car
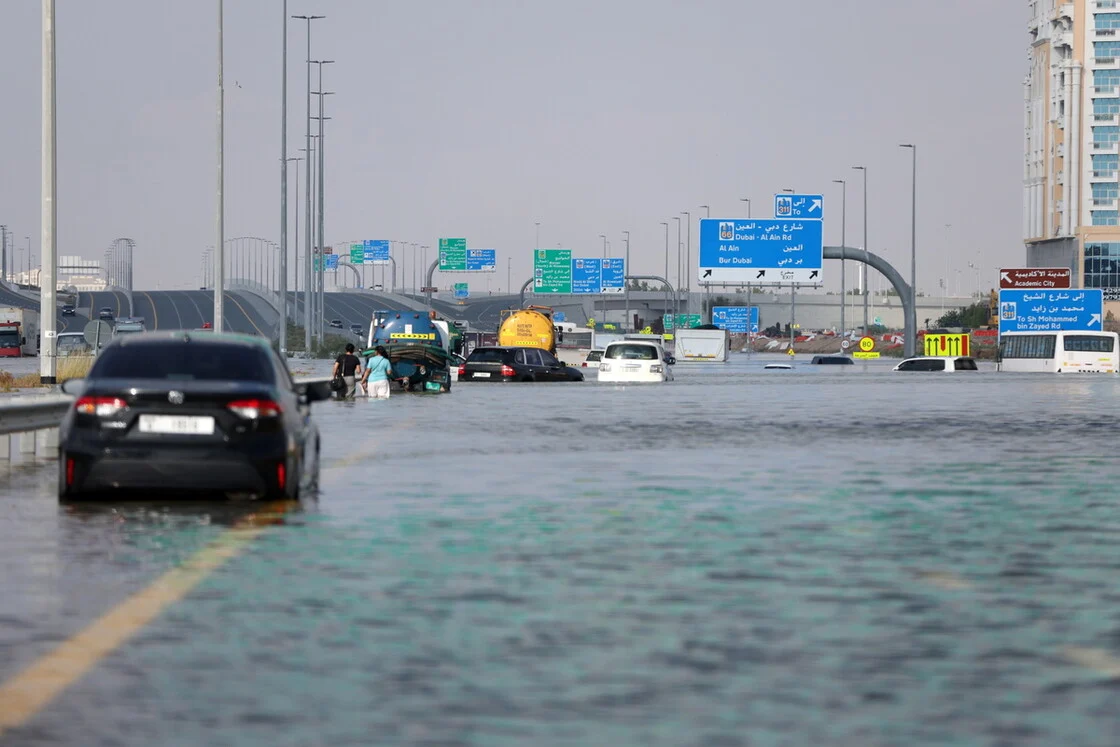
{"x": 636, "y": 361}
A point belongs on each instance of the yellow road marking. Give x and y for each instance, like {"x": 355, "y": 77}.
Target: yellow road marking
{"x": 30, "y": 691}
{"x": 155, "y": 314}
{"x": 230, "y": 297}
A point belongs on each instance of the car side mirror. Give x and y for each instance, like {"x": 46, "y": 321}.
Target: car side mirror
{"x": 73, "y": 386}
{"x": 314, "y": 391}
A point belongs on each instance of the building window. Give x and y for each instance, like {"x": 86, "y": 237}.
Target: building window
{"x": 1106, "y": 49}
{"x": 1107, "y": 191}
{"x": 1106, "y": 106}
{"x": 1102, "y": 264}
{"x": 1105, "y": 135}
{"x": 1105, "y": 217}
{"x": 1105, "y": 78}
{"x": 1105, "y": 163}
{"x": 1107, "y": 20}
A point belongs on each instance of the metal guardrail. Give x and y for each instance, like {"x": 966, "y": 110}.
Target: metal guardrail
{"x": 33, "y": 413}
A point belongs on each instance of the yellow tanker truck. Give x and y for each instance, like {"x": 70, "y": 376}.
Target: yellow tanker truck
{"x": 531, "y": 327}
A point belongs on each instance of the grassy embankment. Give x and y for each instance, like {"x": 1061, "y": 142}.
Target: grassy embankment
{"x": 70, "y": 367}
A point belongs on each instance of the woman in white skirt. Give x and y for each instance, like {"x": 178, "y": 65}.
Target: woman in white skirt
{"x": 376, "y": 379}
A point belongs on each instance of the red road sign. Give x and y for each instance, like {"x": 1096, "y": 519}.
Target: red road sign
{"x": 1034, "y": 277}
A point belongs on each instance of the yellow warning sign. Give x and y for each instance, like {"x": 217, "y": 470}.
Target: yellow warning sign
{"x": 407, "y": 336}
{"x": 790, "y": 351}
{"x": 867, "y": 344}
{"x": 946, "y": 345}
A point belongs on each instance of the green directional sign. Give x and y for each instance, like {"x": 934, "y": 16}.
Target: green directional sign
{"x": 552, "y": 271}
{"x": 680, "y": 321}
{"x": 452, "y": 255}
{"x": 357, "y": 254}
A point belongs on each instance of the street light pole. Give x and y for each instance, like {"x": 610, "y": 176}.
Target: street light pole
{"x": 537, "y": 245}
{"x": 309, "y": 247}
{"x": 48, "y": 248}
{"x": 219, "y": 255}
{"x": 625, "y": 284}
{"x": 680, "y": 265}
{"x": 863, "y": 265}
{"x": 911, "y": 344}
{"x": 688, "y": 266}
{"x": 322, "y": 274}
{"x": 748, "y": 201}
{"x": 282, "y": 286}
{"x": 843, "y": 250}
{"x": 666, "y": 224}
{"x": 707, "y": 286}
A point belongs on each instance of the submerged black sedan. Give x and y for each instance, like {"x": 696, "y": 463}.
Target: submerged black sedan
{"x": 171, "y": 412}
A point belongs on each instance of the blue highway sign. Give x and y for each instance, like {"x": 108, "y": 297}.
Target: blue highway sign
{"x": 736, "y": 319}
{"x": 1033, "y": 310}
{"x": 482, "y": 260}
{"x": 587, "y": 275}
{"x": 798, "y": 206}
{"x": 375, "y": 252}
{"x": 614, "y": 275}
{"x": 332, "y": 261}
{"x": 760, "y": 252}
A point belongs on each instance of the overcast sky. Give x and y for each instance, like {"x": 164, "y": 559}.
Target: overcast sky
{"x": 479, "y": 119}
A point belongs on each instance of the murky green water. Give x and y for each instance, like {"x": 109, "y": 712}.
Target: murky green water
{"x": 819, "y": 556}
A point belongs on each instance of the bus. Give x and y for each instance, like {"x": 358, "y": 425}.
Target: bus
{"x": 1079, "y": 351}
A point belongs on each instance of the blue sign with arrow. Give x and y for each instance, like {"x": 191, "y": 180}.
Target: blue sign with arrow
{"x": 736, "y": 319}
{"x": 482, "y": 260}
{"x": 613, "y": 275}
{"x": 798, "y": 206}
{"x": 1034, "y": 310}
{"x": 332, "y": 261}
{"x": 375, "y": 252}
{"x": 760, "y": 252}
{"x": 587, "y": 275}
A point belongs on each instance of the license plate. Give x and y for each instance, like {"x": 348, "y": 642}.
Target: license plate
{"x": 631, "y": 368}
{"x": 193, "y": 425}
{"x": 481, "y": 375}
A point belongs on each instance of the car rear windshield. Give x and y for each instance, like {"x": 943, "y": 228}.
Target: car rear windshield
{"x": 632, "y": 352}
{"x": 595, "y": 355}
{"x": 198, "y": 361}
{"x": 487, "y": 355}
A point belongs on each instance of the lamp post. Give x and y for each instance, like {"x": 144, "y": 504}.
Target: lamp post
{"x": 308, "y": 242}
{"x": 843, "y": 249}
{"x": 322, "y": 274}
{"x": 537, "y": 245}
{"x": 910, "y": 343}
{"x": 748, "y": 201}
{"x": 666, "y": 224}
{"x": 707, "y": 286}
{"x": 863, "y": 265}
{"x": 509, "y": 269}
{"x": 282, "y": 285}
{"x": 688, "y": 265}
{"x": 677, "y": 218}
{"x": 792, "y": 299}
{"x": 295, "y": 254}
{"x": 625, "y": 284}
{"x": 219, "y": 244}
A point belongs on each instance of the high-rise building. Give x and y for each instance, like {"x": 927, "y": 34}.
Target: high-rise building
{"x": 1071, "y": 178}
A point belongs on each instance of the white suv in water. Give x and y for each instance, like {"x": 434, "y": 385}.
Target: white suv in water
{"x": 635, "y": 361}
{"x": 937, "y": 364}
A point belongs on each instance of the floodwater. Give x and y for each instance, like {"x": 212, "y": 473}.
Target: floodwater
{"x": 823, "y": 556}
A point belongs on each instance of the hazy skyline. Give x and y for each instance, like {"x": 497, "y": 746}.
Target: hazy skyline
{"x": 480, "y": 119}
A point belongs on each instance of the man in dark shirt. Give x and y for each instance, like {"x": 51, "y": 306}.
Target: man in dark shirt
{"x": 350, "y": 366}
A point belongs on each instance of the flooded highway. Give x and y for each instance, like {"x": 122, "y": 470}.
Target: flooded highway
{"x": 836, "y": 555}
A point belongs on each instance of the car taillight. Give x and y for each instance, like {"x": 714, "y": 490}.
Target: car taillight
{"x": 462, "y": 370}
{"x": 252, "y": 409}
{"x": 102, "y": 407}
{"x": 508, "y": 370}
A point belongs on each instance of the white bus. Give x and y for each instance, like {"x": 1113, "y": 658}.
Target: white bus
{"x": 1078, "y": 351}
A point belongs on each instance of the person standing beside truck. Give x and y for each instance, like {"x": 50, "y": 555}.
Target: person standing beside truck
{"x": 378, "y": 370}
{"x": 349, "y": 366}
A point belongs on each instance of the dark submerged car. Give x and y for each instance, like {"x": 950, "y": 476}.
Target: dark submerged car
{"x": 179, "y": 412}
{"x": 516, "y": 364}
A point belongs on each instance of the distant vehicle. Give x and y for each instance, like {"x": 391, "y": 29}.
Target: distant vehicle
{"x": 515, "y": 364}
{"x": 378, "y": 287}
{"x": 336, "y": 323}
{"x": 357, "y": 329}
{"x": 937, "y": 364}
{"x": 67, "y": 310}
{"x": 778, "y": 366}
{"x": 127, "y": 325}
{"x": 72, "y": 343}
{"x": 1059, "y": 352}
{"x": 172, "y": 410}
{"x": 19, "y": 332}
{"x": 106, "y": 312}
{"x": 634, "y": 361}
{"x": 837, "y": 360}
{"x": 592, "y": 359}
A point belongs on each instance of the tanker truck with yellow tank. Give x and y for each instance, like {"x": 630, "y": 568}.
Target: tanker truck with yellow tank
{"x": 531, "y": 327}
